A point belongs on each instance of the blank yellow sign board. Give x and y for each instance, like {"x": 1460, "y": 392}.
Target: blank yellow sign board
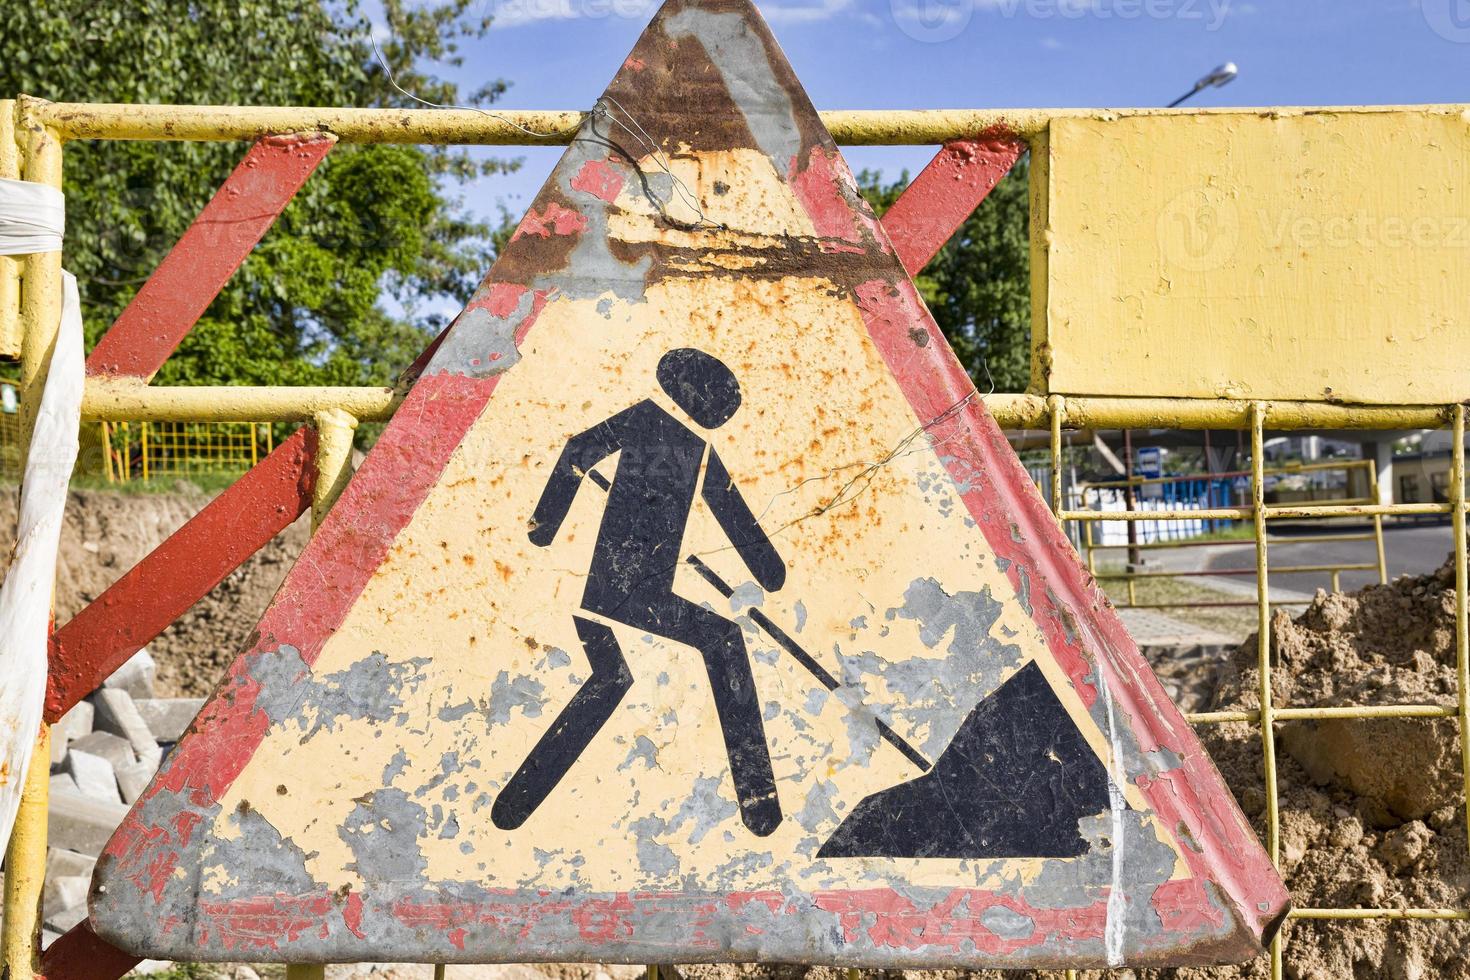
{"x": 1315, "y": 255}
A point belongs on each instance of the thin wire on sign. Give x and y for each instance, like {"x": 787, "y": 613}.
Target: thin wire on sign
{"x": 600, "y": 108}
{"x": 641, "y": 135}
{"x": 985, "y": 363}
{"x": 388, "y": 72}
{"x": 896, "y": 453}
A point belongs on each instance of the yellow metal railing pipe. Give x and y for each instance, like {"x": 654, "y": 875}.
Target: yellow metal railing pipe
{"x": 1087, "y": 540}
{"x": 1236, "y": 542}
{"x": 40, "y": 318}
{"x": 25, "y": 869}
{"x": 334, "y": 429}
{"x": 1209, "y": 514}
{"x": 120, "y": 400}
{"x": 40, "y": 301}
{"x": 1029, "y": 412}
{"x": 1462, "y": 623}
{"x": 1058, "y": 409}
{"x": 1278, "y": 511}
{"x": 9, "y": 264}
{"x": 509, "y": 127}
{"x": 1288, "y": 469}
{"x": 1283, "y": 570}
{"x": 1270, "y": 512}
{"x": 1377, "y": 496}
{"x": 877, "y": 127}
{"x": 1323, "y": 714}
{"x": 1263, "y": 653}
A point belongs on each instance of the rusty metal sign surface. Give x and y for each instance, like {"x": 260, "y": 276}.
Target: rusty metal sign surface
{"x": 691, "y": 608}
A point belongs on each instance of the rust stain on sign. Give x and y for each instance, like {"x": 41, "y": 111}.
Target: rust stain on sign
{"x": 729, "y": 628}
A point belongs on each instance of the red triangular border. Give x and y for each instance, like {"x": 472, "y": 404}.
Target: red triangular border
{"x": 879, "y": 925}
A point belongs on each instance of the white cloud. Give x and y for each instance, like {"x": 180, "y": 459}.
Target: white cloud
{"x": 941, "y": 13}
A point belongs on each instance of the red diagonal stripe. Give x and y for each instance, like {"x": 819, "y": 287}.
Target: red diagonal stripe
{"x": 176, "y": 574}
{"x": 82, "y": 955}
{"x": 191, "y": 276}
{"x": 944, "y": 194}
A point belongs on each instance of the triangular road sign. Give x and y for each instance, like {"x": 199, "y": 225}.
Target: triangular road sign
{"x": 691, "y": 608}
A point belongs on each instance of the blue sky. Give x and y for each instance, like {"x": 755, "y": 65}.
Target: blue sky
{"x": 1003, "y": 53}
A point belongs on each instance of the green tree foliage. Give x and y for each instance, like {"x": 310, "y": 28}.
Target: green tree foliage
{"x": 354, "y": 278}
{"x": 978, "y": 286}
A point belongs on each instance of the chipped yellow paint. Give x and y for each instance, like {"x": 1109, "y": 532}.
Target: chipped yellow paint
{"x": 463, "y": 587}
{"x": 1256, "y": 255}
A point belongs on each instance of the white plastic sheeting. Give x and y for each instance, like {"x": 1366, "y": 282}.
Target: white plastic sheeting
{"x": 32, "y": 217}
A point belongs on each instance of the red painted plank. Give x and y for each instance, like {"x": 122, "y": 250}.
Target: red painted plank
{"x": 175, "y": 575}
{"x": 944, "y": 194}
{"x": 191, "y": 276}
{"x": 82, "y": 955}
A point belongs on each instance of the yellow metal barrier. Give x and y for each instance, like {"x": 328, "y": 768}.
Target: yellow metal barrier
{"x": 28, "y": 321}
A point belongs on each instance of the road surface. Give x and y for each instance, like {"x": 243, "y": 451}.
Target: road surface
{"x": 1410, "y": 549}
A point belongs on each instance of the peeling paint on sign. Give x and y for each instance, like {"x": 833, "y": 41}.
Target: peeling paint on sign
{"x": 728, "y": 629}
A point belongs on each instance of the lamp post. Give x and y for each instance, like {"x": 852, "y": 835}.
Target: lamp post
{"x": 1223, "y": 75}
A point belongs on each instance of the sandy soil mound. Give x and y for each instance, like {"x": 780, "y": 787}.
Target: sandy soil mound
{"x": 1372, "y": 812}
{"x": 107, "y": 533}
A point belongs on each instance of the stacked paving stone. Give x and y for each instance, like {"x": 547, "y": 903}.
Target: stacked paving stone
{"x": 103, "y": 753}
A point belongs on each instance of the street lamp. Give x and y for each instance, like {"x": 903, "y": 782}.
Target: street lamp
{"x": 1223, "y": 75}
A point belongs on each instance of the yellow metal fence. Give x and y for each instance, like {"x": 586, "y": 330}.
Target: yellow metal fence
{"x": 32, "y": 135}
{"x": 1131, "y": 575}
{"x": 144, "y": 451}
{"x": 1270, "y": 714}
{"x": 10, "y": 458}
{"x": 140, "y": 452}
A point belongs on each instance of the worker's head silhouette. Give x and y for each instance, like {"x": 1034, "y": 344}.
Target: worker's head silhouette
{"x": 699, "y": 384}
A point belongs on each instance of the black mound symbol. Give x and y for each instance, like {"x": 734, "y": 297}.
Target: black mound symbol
{"x": 1013, "y": 783}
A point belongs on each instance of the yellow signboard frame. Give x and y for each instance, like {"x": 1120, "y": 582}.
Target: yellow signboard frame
{"x": 1276, "y": 254}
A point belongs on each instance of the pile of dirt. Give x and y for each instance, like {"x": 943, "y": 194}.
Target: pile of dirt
{"x": 107, "y": 533}
{"x": 1372, "y": 811}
